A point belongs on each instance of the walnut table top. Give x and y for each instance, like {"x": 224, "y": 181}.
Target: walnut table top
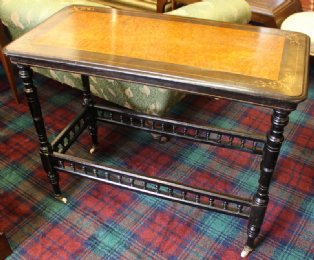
{"x": 264, "y": 66}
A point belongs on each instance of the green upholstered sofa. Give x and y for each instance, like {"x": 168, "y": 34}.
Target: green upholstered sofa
{"x": 22, "y": 15}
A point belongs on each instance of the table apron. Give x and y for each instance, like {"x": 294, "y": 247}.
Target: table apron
{"x": 154, "y": 79}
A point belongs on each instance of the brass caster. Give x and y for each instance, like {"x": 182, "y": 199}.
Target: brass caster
{"x": 246, "y": 251}
{"x": 160, "y": 138}
{"x": 62, "y": 199}
{"x": 93, "y": 149}
{"x": 163, "y": 139}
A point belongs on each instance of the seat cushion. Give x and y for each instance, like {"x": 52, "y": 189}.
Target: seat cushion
{"x": 21, "y": 16}
{"x": 235, "y": 11}
{"x": 301, "y": 22}
{"x": 142, "y": 98}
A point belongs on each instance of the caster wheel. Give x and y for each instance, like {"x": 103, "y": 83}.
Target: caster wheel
{"x": 61, "y": 198}
{"x": 160, "y": 138}
{"x": 246, "y": 251}
{"x": 93, "y": 149}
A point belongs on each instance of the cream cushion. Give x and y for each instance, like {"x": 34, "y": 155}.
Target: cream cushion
{"x": 301, "y": 22}
{"x": 235, "y": 11}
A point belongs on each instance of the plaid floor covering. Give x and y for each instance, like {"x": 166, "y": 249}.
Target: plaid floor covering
{"x": 104, "y": 222}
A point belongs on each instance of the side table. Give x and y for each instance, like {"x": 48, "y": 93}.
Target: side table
{"x": 122, "y": 45}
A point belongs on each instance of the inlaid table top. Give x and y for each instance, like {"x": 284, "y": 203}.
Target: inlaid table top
{"x": 209, "y": 58}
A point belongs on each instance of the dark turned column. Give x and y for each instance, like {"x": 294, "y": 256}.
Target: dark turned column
{"x": 275, "y": 138}
{"x": 88, "y": 102}
{"x": 30, "y": 91}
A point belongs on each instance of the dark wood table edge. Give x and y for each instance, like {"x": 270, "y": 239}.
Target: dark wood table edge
{"x": 270, "y": 100}
{"x": 163, "y": 81}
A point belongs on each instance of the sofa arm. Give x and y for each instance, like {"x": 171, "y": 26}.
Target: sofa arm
{"x": 236, "y": 11}
{"x": 20, "y": 16}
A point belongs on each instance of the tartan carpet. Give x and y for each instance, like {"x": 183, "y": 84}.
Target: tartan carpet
{"x": 105, "y": 222}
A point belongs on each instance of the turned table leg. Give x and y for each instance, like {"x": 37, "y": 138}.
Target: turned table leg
{"x": 89, "y": 103}
{"x": 30, "y": 90}
{"x": 270, "y": 155}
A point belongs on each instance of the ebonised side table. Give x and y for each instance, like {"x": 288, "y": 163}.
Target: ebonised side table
{"x": 262, "y": 67}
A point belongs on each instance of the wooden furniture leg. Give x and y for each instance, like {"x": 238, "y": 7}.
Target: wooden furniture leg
{"x": 161, "y": 4}
{"x": 7, "y": 64}
{"x": 5, "y": 249}
{"x": 275, "y": 139}
{"x": 9, "y": 73}
{"x": 89, "y": 103}
{"x": 26, "y": 74}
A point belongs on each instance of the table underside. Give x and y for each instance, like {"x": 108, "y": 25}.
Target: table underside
{"x": 157, "y": 187}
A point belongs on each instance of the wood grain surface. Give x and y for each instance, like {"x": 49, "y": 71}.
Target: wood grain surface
{"x": 201, "y": 46}
{"x": 243, "y": 59}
